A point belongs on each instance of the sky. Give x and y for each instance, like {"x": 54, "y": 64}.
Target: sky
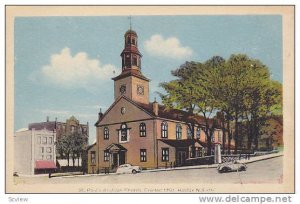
{"x": 64, "y": 65}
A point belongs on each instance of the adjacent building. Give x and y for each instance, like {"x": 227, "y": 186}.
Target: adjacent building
{"x": 92, "y": 158}
{"x": 34, "y": 151}
{"x": 136, "y": 131}
{"x": 71, "y": 125}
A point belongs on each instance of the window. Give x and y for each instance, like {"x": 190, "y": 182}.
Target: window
{"x": 49, "y": 150}
{"x": 106, "y": 156}
{"x": 93, "y": 157}
{"x": 50, "y": 140}
{"x": 188, "y": 132}
{"x": 49, "y": 157}
{"x": 123, "y": 133}
{"x": 143, "y": 155}
{"x": 192, "y": 152}
{"x": 44, "y": 140}
{"x": 41, "y": 157}
{"x": 143, "y": 130}
{"x": 164, "y": 130}
{"x": 213, "y": 138}
{"x": 165, "y": 154}
{"x": 198, "y": 152}
{"x": 135, "y": 60}
{"x": 198, "y": 132}
{"x": 41, "y": 149}
{"x": 178, "y": 131}
{"x": 39, "y": 140}
{"x": 106, "y": 133}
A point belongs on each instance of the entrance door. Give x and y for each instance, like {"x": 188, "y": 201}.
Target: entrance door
{"x": 114, "y": 160}
{"x": 121, "y": 158}
{"x": 181, "y": 157}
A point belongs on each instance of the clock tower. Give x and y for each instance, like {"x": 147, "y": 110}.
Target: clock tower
{"x": 131, "y": 82}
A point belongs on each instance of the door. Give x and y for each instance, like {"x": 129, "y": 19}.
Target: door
{"x": 114, "y": 160}
{"x": 181, "y": 157}
{"x": 121, "y": 158}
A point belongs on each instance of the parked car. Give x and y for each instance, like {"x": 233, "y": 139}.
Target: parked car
{"x": 231, "y": 166}
{"x": 128, "y": 168}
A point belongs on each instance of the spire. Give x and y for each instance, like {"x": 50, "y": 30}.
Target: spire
{"x": 130, "y": 22}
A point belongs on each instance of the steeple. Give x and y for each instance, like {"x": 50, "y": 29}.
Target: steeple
{"x": 131, "y": 57}
{"x": 131, "y": 82}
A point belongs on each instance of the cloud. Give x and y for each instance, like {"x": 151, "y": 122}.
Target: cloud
{"x": 169, "y": 47}
{"x": 76, "y": 71}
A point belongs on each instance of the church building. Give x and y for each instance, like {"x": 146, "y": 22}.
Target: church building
{"x": 139, "y": 132}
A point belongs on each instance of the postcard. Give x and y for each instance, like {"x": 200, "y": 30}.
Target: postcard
{"x": 150, "y": 99}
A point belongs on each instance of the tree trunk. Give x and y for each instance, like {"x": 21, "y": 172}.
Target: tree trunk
{"x": 236, "y": 134}
{"x": 68, "y": 157}
{"x": 229, "y": 137}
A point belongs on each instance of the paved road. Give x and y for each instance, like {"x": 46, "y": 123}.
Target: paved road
{"x": 267, "y": 171}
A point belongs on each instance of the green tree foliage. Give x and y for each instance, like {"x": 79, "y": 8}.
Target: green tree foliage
{"x": 72, "y": 144}
{"x": 239, "y": 88}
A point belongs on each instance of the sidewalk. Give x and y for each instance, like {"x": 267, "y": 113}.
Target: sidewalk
{"x": 251, "y": 160}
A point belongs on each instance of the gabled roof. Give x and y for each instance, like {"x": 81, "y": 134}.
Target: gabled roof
{"x": 115, "y": 146}
{"x": 127, "y": 99}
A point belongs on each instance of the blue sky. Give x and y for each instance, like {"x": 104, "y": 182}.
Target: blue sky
{"x": 64, "y": 65}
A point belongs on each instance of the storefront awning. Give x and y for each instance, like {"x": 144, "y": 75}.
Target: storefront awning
{"x": 44, "y": 164}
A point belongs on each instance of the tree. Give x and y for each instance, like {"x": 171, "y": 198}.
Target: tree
{"x": 190, "y": 92}
{"x": 72, "y": 144}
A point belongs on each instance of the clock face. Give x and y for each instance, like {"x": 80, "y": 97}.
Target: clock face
{"x": 140, "y": 90}
{"x": 122, "y": 89}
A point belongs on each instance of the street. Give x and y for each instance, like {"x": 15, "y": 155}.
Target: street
{"x": 266, "y": 171}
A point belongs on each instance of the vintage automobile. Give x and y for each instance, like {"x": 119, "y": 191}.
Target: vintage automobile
{"x": 231, "y": 166}
{"x": 128, "y": 169}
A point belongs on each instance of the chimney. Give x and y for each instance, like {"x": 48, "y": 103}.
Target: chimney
{"x": 100, "y": 115}
{"x": 47, "y": 118}
{"x": 155, "y": 107}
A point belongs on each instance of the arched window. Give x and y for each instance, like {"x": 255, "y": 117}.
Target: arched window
{"x": 106, "y": 133}
{"x": 178, "y": 131}
{"x": 133, "y": 41}
{"x": 128, "y": 40}
{"x": 143, "y": 130}
{"x": 123, "y": 130}
{"x": 164, "y": 129}
{"x": 198, "y": 132}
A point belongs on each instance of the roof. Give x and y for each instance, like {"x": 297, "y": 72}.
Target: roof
{"x": 116, "y": 146}
{"x": 174, "y": 114}
{"x": 131, "y": 32}
{"x": 131, "y": 72}
{"x": 92, "y": 145}
{"x": 182, "y": 143}
{"x": 163, "y": 112}
{"x": 22, "y": 129}
{"x": 45, "y": 164}
{"x": 42, "y": 125}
